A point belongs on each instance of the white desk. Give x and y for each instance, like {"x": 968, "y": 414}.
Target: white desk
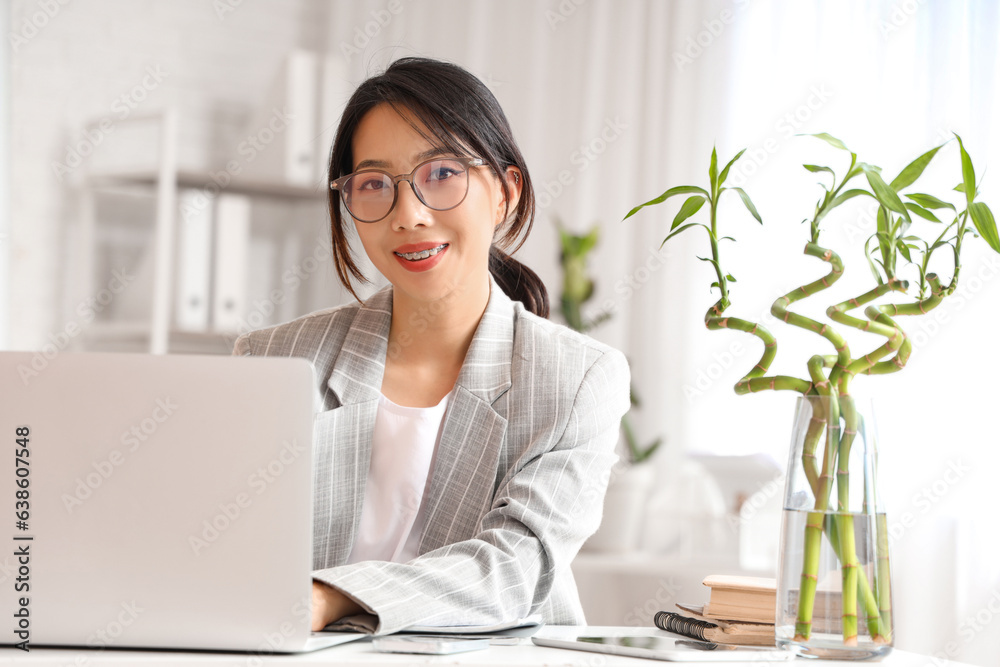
{"x": 361, "y": 653}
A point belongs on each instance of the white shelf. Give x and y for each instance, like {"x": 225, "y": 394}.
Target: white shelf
{"x": 203, "y": 180}
{"x": 158, "y": 334}
{"x": 125, "y": 329}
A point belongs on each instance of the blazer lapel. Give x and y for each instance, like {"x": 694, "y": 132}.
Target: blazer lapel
{"x": 343, "y": 435}
{"x": 465, "y": 465}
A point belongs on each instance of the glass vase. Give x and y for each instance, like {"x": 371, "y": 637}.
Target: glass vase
{"x": 834, "y": 597}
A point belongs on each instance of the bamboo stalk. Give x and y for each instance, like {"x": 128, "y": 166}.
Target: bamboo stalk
{"x": 780, "y": 307}
{"x": 882, "y": 581}
{"x": 814, "y": 521}
{"x": 838, "y": 313}
{"x": 921, "y": 307}
{"x": 848, "y": 555}
{"x": 815, "y": 430}
{"x": 878, "y": 628}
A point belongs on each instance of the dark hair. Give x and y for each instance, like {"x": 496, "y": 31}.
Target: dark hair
{"x": 462, "y": 114}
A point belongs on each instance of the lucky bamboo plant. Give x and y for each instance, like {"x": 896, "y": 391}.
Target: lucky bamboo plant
{"x": 892, "y": 248}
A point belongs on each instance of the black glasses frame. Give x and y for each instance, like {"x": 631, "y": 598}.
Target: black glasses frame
{"x": 340, "y": 183}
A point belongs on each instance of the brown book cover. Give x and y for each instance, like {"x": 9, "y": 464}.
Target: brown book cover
{"x": 741, "y": 598}
{"x": 753, "y": 600}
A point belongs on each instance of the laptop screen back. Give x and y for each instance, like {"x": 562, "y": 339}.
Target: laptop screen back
{"x": 168, "y": 500}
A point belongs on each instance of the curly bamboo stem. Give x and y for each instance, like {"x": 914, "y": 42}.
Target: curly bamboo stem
{"x": 838, "y": 313}
{"x": 921, "y": 307}
{"x": 780, "y": 307}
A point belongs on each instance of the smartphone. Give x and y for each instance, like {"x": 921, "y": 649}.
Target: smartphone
{"x": 428, "y": 644}
{"x": 664, "y": 647}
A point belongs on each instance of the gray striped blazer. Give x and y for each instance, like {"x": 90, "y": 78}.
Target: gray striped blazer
{"x": 519, "y": 474}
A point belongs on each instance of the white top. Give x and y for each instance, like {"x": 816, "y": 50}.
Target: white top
{"x": 392, "y": 518}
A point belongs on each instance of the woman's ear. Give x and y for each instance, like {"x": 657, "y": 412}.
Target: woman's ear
{"x": 515, "y": 183}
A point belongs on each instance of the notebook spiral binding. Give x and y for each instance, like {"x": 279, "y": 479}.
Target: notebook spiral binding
{"x": 682, "y": 625}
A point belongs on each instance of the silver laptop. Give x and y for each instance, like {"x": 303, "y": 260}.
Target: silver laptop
{"x": 157, "y": 502}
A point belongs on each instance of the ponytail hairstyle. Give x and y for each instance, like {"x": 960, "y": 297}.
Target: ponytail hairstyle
{"x": 462, "y": 115}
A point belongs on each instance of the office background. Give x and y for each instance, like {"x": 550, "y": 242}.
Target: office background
{"x": 612, "y": 103}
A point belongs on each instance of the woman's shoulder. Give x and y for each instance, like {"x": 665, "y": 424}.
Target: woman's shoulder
{"x": 301, "y": 336}
{"x": 549, "y": 342}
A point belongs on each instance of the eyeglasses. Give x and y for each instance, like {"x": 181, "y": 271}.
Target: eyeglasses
{"x": 440, "y": 183}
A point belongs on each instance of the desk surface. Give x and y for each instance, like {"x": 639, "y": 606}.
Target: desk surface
{"x": 361, "y": 653}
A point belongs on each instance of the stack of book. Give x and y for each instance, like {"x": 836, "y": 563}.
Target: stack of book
{"x": 740, "y": 610}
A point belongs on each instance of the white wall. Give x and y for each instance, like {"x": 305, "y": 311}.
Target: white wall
{"x": 77, "y": 65}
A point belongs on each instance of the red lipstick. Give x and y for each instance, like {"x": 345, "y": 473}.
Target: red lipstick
{"x": 423, "y": 263}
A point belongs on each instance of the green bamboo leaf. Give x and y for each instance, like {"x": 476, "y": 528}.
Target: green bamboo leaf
{"x": 913, "y": 170}
{"x": 678, "y": 190}
{"x": 815, "y": 168}
{"x": 900, "y": 227}
{"x": 711, "y": 261}
{"x": 854, "y": 171}
{"x": 982, "y": 218}
{"x": 730, "y": 278}
{"x": 922, "y": 212}
{"x": 960, "y": 188}
{"x": 840, "y": 199}
{"x": 725, "y": 171}
{"x": 837, "y": 201}
{"x": 713, "y": 171}
{"x": 882, "y": 221}
{"x": 904, "y": 250}
{"x": 688, "y": 208}
{"x": 871, "y": 264}
{"x": 833, "y": 141}
{"x": 885, "y": 195}
{"x": 968, "y": 173}
{"x": 681, "y": 229}
{"x": 749, "y": 204}
{"x": 728, "y": 238}
{"x": 929, "y": 201}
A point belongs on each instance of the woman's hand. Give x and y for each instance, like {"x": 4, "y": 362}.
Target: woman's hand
{"x": 329, "y": 604}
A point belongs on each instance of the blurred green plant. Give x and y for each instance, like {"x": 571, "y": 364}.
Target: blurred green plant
{"x": 578, "y": 288}
{"x": 892, "y": 247}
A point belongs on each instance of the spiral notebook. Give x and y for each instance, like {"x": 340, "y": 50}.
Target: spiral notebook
{"x": 692, "y": 624}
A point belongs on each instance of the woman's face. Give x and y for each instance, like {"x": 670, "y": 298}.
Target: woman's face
{"x": 384, "y": 140}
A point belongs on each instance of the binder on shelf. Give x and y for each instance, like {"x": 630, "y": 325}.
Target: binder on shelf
{"x": 281, "y": 135}
{"x": 232, "y": 246}
{"x": 334, "y": 91}
{"x": 261, "y": 305}
{"x": 194, "y": 259}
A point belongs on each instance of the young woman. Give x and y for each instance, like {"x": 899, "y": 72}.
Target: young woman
{"x": 462, "y": 441}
